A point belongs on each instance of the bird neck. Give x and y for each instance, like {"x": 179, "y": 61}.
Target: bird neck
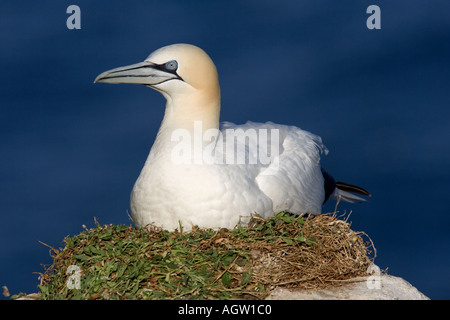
{"x": 187, "y": 111}
{"x": 189, "y": 126}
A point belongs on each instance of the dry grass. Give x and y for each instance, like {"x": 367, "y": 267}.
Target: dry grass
{"x": 334, "y": 253}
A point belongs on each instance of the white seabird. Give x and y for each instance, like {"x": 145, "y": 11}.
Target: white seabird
{"x": 200, "y": 173}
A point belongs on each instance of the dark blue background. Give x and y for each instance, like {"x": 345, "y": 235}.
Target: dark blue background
{"x": 71, "y": 150}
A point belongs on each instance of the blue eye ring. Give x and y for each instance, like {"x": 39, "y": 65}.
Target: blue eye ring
{"x": 171, "y": 65}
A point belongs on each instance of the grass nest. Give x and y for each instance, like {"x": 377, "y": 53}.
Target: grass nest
{"x": 122, "y": 262}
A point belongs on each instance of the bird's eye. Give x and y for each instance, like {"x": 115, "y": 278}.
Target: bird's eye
{"x": 172, "y": 65}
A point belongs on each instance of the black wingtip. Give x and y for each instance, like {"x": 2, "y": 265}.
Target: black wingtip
{"x": 352, "y": 188}
{"x": 329, "y": 184}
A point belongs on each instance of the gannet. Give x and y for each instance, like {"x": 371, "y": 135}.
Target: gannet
{"x": 200, "y": 173}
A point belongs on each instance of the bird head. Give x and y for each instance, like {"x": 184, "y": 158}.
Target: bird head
{"x": 177, "y": 71}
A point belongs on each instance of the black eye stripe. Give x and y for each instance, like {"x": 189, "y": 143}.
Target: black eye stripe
{"x": 163, "y": 67}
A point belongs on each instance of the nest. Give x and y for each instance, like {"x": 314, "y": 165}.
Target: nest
{"x": 121, "y": 262}
{"x": 329, "y": 253}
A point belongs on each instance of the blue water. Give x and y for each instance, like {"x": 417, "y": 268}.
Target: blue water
{"x": 71, "y": 150}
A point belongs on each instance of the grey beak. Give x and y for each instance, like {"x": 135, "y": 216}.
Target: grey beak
{"x": 146, "y": 73}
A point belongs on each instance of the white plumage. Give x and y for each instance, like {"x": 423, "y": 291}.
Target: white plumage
{"x": 200, "y": 174}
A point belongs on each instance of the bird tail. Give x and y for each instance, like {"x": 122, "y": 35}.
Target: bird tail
{"x": 346, "y": 192}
